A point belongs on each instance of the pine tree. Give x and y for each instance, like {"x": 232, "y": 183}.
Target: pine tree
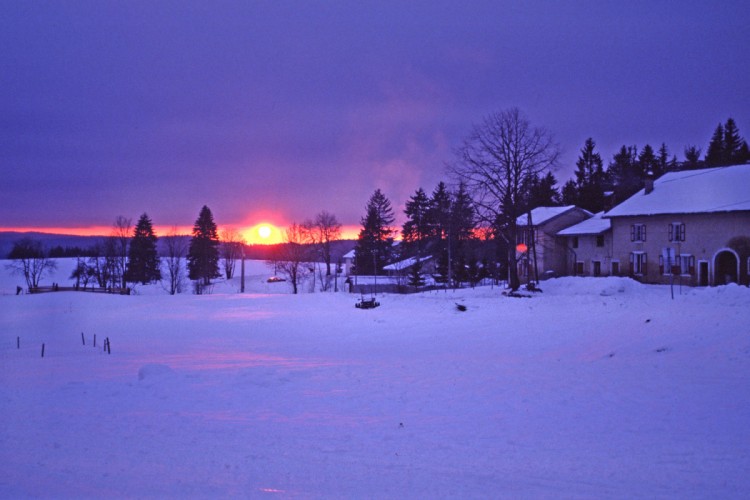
{"x": 541, "y": 191}
{"x": 692, "y": 158}
{"x": 416, "y": 279}
{"x": 418, "y": 227}
{"x": 570, "y": 193}
{"x": 590, "y": 178}
{"x": 715, "y": 153}
{"x": 376, "y": 236}
{"x": 647, "y": 161}
{"x": 203, "y": 254}
{"x": 626, "y": 172}
{"x": 440, "y": 209}
{"x": 735, "y": 147}
{"x": 143, "y": 261}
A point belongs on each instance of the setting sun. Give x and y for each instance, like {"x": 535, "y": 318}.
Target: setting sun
{"x": 263, "y": 234}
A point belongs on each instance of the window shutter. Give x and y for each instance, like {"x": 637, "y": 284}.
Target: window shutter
{"x": 671, "y": 232}
{"x": 632, "y": 237}
{"x": 661, "y": 264}
{"x": 692, "y": 264}
{"x": 643, "y": 228}
{"x": 682, "y": 232}
{"x": 632, "y": 264}
{"x": 644, "y": 267}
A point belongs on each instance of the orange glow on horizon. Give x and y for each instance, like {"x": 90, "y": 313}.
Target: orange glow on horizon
{"x": 272, "y": 233}
{"x": 262, "y": 234}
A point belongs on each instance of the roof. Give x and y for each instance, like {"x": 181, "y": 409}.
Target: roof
{"x": 350, "y": 254}
{"x": 594, "y": 225}
{"x": 406, "y": 263}
{"x": 540, "y": 215}
{"x": 723, "y": 189}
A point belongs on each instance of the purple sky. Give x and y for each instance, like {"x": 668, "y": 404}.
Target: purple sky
{"x": 277, "y": 110}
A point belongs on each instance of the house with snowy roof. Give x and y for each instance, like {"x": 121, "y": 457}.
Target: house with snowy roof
{"x": 537, "y": 234}
{"x": 590, "y": 251}
{"x": 693, "y": 224}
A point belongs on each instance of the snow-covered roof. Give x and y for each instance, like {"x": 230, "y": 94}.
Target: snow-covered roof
{"x": 404, "y": 264}
{"x": 540, "y": 215}
{"x": 723, "y": 189}
{"x": 594, "y": 225}
{"x": 350, "y": 254}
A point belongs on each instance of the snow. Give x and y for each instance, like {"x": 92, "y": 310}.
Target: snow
{"x": 597, "y": 387}
{"x": 594, "y": 225}
{"x": 723, "y": 189}
{"x": 405, "y": 264}
{"x": 540, "y": 215}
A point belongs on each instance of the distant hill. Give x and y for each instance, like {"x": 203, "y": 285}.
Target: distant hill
{"x": 49, "y": 241}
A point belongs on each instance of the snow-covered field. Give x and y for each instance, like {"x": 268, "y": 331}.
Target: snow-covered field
{"x": 593, "y": 388}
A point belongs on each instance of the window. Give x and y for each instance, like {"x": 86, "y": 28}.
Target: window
{"x": 638, "y": 232}
{"x": 686, "y": 264}
{"x": 575, "y": 241}
{"x": 638, "y": 263}
{"x": 676, "y": 231}
{"x": 600, "y": 240}
{"x": 615, "y": 268}
{"x": 597, "y": 268}
{"x": 579, "y": 268}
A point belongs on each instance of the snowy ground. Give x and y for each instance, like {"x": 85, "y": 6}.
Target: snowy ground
{"x": 594, "y": 388}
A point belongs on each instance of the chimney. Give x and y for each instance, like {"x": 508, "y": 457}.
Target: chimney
{"x": 649, "y": 181}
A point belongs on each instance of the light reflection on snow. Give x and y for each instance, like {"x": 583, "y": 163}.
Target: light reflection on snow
{"x": 231, "y": 360}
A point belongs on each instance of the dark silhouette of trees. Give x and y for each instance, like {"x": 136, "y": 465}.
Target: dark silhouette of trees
{"x": 203, "y": 252}
{"x": 727, "y": 147}
{"x": 325, "y": 230}
{"x": 495, "y": 162}
{"x": 143, "y": 262}
{"x": 29, "y": 259}
{"x": 418, "y": 228}
{"x": 375, "y": 239}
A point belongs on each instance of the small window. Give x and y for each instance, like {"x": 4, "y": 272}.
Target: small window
{"x": 575, "y": 241}
{"x": 638, "y": 232}
{"x": 597, "y": 268}
{"x": 638, "y": 264}
{"x": 686, "y": 264}
{"x": 615, "y": 268}
{"x": 579, "y": 268}
{"x": 676, "y": 231}
{"x": 600, "y": 240}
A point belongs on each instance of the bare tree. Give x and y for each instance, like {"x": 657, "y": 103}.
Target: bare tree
{"x": 119, "y": 240}
{"x": 495, "y": 163}
{"x": 294, "y": 255}
{"x": 29, "y": 259}
{"x": 231, "y": 250}
{"x": 328, "y": 230}
{"x": 176, "y": 245}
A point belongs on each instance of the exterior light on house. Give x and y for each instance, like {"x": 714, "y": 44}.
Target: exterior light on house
{"x": 521, "y": 248}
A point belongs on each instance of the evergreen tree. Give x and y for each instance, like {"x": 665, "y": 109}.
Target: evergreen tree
{"x": 692, "y": 158}
{"x": 735, "y": 147}
{"x": 416, "y": 279}
{"x": 590, "y": 179}
{"x": 143, "y": 261}
{"x": 542, "y": 191}
{"x": 203, "y": 254}
{"x": 440, "y": 209}
{"x": 418, "y": 227}
{"x": 715, "y": 153}
{"x": 570, "y": 193}
{"x": 376, "y": 236}
{"x": 647, "y": 161}
{"x": 626, "y": 172}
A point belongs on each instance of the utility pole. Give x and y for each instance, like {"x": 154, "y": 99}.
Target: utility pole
{"x": 242, "y": 273}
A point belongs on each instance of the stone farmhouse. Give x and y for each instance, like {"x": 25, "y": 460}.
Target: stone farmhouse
{"x": 693, "y": 224}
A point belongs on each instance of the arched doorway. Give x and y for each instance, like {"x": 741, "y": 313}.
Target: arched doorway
{"x": 726, "y": 267}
